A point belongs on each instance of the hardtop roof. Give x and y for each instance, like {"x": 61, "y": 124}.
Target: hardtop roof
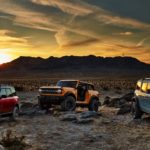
{"x": 84, "y": 82}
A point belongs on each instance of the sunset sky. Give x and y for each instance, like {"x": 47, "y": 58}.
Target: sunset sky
{"x": 74, "y": 27}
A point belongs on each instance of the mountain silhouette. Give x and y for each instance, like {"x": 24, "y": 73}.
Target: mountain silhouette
{"x": 75, "y": 64}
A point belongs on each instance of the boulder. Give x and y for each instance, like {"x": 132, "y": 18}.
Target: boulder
{"x": 68, "y": 117}
{"x": 128, "y": 97}
{"x": 126, "y": 108}
{"x": 89, "y": 114}
{"x": 106, "y": 100}
{"x": 84, "y": 121}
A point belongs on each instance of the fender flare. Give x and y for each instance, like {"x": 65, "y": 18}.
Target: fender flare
{"x": 70, "y": 94}
{"x": 97, "y": 98}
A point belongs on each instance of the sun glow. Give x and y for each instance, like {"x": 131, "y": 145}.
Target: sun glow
{"x": 4, "y": 57}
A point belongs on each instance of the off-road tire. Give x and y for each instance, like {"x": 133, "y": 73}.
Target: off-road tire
{"x": 15, "y": 114}
{"x": 133, "y": 108}
{"x": 138, "y": 113}
{"x": 69, "y": 104}
{"x": 42, "y": 105}
{"x": 94, "y": 105}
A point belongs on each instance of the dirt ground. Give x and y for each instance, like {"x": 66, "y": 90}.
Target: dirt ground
{"x": 106, "y": 132}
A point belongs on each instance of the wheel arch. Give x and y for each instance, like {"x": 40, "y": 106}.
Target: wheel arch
{"x": 70, "y": 94}
{"x": 17, "y": 105}
{"x": 134, "y": 99}
{"x": 95, "y": 97}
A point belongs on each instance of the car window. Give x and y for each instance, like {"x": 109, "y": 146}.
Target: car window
{"x": 2, "y": 92}
{"x": 82, "y": 86}
{"x": 8, "y": 91}
{"x": 13, "y": 90}
{"x": 71, "y": 84}
{"x": 144, "y": 86}
{"x": 148, "y": 88}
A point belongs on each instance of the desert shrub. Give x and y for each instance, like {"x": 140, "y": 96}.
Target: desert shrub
{"x": 34, "y": 84}
{"x": 118, "y": 88}
{"x": 105, "y": 88}
{"x": 13, "y": 142}
{"x": 20, "y": 89}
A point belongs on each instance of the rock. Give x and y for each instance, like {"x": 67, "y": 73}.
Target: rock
{"x": 2, "y": 148}
{"x": 126, "y": 108}
{"x": 26, "y": 105}
{"x": 128, "y": 97}
{"x": 106, "y": 100}
{"x": 123, "y": 103}
{"x": 89, "y": 114}
{"x": 84, "y": 121}
{"x": 69, "y": 117}
{"x": 115, "y": 102}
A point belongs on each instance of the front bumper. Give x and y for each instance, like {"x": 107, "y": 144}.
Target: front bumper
{"x": 50, "y": 99}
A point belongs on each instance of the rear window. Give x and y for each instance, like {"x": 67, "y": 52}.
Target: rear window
{"x": 13, "y": 90}
{"x": 8, "y": 91}
{"x": 144, "y": 86}
{"x": 148, "y": 88}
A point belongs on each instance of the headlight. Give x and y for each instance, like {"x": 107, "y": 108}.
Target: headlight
{"x": 40, "y": 90}
{"x": 59, "y": 91}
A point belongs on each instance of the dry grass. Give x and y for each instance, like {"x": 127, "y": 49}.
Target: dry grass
{"x": 105, "y": 85}
{"x": 12, "y": 142}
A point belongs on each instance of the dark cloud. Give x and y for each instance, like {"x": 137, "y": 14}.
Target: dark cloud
{"x": 81, "y": 43}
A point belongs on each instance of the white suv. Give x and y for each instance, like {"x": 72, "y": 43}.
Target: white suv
{"x": 142, "y": 98}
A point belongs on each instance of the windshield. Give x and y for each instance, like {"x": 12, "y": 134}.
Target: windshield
{"x": 71, "y": 84}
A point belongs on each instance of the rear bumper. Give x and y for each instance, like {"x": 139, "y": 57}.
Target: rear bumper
{"x": 50, "y": 99}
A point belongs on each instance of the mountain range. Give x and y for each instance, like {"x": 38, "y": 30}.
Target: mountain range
{"x": 74, "y": 65}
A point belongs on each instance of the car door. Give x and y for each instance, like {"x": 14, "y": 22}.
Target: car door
{"x": 82, "y": 92}
{"x": 89, "y": 93}
{"x": 9, "y": 101}
{"x": 144, "y": 99}
{"x": 3, "y": 100}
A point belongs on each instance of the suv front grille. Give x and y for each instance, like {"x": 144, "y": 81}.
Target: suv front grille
{"x": 49, "y": 91}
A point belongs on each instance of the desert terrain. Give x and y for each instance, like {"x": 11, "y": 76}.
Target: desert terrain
{"x": 58, "y": 130}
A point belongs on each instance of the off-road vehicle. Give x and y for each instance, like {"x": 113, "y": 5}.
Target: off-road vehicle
{"x": 142, "y": 98}
{"x": 69, "y": 94}
{"x": 9, "y": 102}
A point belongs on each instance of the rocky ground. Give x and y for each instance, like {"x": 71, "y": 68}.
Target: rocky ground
{"x": 81, "y": 129}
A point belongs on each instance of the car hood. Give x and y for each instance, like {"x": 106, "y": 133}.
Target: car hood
{"x": 50, "y": 87}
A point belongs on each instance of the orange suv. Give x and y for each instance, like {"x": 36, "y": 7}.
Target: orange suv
{"x": 69, "y": 94}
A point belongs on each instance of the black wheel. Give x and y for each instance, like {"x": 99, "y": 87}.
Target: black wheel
{"x": 15, "y": 114}
{"x": 133, "y": 108}
{"x": 42, "y": 105}
{"x": 138, "y": 113}
{"x": 94, "y": 105}
{"x": 69, "y": 104}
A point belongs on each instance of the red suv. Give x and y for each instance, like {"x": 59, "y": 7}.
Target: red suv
{"x": 9, "y": 102}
